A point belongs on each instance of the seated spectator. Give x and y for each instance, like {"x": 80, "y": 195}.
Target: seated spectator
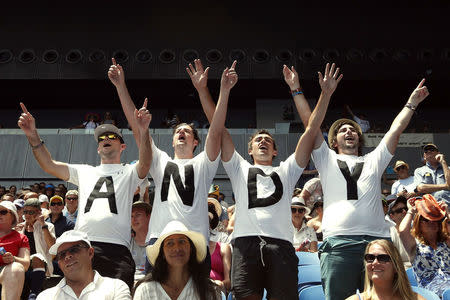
{"x": 108, "y": 119}
{"x": 8, "y": 197}
{"x": 385, "y": 277}
{"x": 434, "y": 177}
{"x": 41, "y": 236}
{"x": 49, "y": 190}
{"x": 59, "y": 192}
{"x": 74, "y": 255}
{"x": 220, "y": 252}
{"x": 16, "y": 257}
{"x": 56, "y": 217}
{"x": 43, "y": 200}
{"x": 91, "y": 122}
{"x": 140, "y": 217}
{"x": 71, "y": 209}
{"x": 361, "y": 120}
{"x": 2, "y": 190}
{"x": 396, "y": 212}
{"x": 177, "y": 272}
{"x": 19, "y": 203}
{"x": 305, "y": 238}
{"x": 13, "y": 190}
{"x": 316, "y": 222}
{"x": 35, "y": 187}
{"x": 404, "y": 186}
{"x": 42, "y": 187}
{"x": 312, "y": 192}
{"x": 63, "y": 189}
{"x": 426, "y": 244}
{"x": 215, "y": 234}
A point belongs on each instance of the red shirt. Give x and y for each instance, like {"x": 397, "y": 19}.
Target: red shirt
{"x": 12, "y": 242}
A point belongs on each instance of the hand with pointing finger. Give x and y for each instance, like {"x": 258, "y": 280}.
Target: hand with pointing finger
{"x": 229, "y": 77}
{"x": 419, "y": 94}
{"x": 26, "y": 121}
{"x": 116, "y": 74}
{"x": 143, "y": 117}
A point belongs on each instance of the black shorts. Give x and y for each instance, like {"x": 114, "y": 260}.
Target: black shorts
{"x": 115, "y": 261}
{"x": 278, "y": 275}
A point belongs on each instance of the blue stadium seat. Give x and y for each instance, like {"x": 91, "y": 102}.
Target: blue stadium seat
{"x": 429, "y": 295}
{"x": 308, "y": 276}
{"x": 312, "y": 293}
{"x": 446, "y": 295}
{"x": 230, "y": 296}
{"x": 307, "y": 258}
{"x": 223, "y": 296}
{"x": 412, "y": 277}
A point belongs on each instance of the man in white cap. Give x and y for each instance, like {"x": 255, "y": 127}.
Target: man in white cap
{"x": 43, "y": 199}
{"x": 105, "y": 191}
{"x": 74, "y": 254}
{"x": 71, "y": 209}
{"x": 351, "y": 183}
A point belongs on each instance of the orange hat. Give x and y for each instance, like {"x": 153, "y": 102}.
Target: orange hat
{"x": 428, "y": 208}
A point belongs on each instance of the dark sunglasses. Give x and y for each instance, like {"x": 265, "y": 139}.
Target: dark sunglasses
{"x": 111, "y": 136}
{"x": 29, "y": 212}
{"x": 401, "y": 167}
{"x": 4, "y": 212}
{"x": 71, "y": 250}
{"x": 56, "y": 204}
{"x": 399, "y": 210}
{"x": 299, "y": 210}
{"x": 72, "y": 199}
{"x": 382, "y": 258}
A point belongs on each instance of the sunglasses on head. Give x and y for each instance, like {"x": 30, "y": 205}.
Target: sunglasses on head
{"x": 299, "y": 210}
{"x": 382, "y": 258}
{"x": 4, "y": 212}
{"x": 29, "y": 212}
{"x": 110, "y": 136}
{"x": 399, "y": 210}
{"x": 56, "y": 204}
{"x": 71, "y": 250}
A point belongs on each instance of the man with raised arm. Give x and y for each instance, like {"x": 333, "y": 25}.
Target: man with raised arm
{"x": 182, "y": 183}
{"x": 105, "y": 191}
{"x": 263, "y": 256}
{"x": 351, "y": 183}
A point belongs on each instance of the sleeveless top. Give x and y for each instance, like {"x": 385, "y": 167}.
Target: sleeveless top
{"x": 432, "y": 267}
{"x": 216, "y": 264}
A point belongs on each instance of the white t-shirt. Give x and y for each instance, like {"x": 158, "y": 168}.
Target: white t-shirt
{"x": 356, "y": 210}
{"x": 103, "y": 288}
{"x": 154, "y": 290}
{"x": 169, "y": 176}
{"x": 407, "y": 184}
{"x": 268, "y": 211}
{"x": 105, "y": 196}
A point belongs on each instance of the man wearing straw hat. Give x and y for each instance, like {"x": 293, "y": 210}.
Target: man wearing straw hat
{"x": 351, "y": 183}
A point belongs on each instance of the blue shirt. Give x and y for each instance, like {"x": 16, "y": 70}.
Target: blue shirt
{"x": 428, "y": 175}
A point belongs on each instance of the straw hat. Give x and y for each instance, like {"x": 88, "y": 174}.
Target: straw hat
{"x": 217, "y": 206}
{"x": 176, "y": 227}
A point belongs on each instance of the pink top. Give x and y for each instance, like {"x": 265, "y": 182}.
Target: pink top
{"x": 216, "y": 264}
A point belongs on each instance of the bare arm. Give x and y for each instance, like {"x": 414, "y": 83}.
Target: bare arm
{"x": 117, "y": 77}
{"x": 292, "y": 79}
{"x": 28, "y": 125}
{"x": 404, "y": 230}
{"x": 199, "y": 77}
{"x": 402, "y": 120}
{"x": 142, "y": 118}
{"x": 23, "y": 258}
{"x": 225, "y": 251}
{"x": 328, "y": 82}
{"x": 431, "y": 188}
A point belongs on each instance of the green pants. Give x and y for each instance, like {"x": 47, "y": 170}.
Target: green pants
{"x": 342, "y": 265}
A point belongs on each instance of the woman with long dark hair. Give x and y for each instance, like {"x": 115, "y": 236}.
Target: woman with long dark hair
{"x": 177, "y": 272}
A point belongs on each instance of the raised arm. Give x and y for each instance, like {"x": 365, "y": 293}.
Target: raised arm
{"x": 117, "y": 77}
{"x": 213, "y": 140}
{"x": 292, "y": 79}
{"x": 142, "y": 118}
{"x": 28, "y": 125}
{"x": 404, "y": 229}
{"x": 328, "y": 83}
{"x": 402, "y": 120}
{"x": 199, "y": 78}
{"x": 424, "y": 188}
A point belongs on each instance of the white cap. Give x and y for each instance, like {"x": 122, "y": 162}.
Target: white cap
{"x": 43, "y": 198}
{"x": 11, "y": 207}
{"x": 69, "y": 237}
